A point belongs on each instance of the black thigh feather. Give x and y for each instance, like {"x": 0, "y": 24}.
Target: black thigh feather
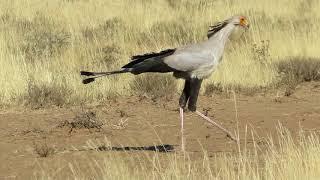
{"x": 190, "y": 93}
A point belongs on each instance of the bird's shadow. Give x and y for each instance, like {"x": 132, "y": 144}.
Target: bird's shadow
{"x": 164, "y": 148}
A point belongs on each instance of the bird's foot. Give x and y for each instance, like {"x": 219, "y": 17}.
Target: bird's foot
{"x": 229, "y": 134}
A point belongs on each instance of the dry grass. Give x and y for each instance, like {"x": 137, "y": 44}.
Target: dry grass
{"x": 282, "y": 158}
{"x": 295, "y": 70}
{"x": 44, "y": 44}
{"x": 44, "y": 95}
{"x": 154, "y": 85}
{"x": 43, "y": 149}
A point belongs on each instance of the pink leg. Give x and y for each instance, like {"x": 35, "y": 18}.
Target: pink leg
{"x": 182, "y": 135}
{"x": 217, "y": 125}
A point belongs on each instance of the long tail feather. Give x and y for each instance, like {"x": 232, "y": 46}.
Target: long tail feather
{"x": 88, "y": 80}
{"x": 99, "y": 74}
{"x": 87, "y": 73}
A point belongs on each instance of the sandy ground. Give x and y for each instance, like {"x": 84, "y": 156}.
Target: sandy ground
{"x": 138, "y": 121}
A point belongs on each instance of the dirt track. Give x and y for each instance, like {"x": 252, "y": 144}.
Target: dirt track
{"x": 21, "y": 129}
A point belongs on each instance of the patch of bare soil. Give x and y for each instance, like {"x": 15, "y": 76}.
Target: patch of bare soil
{"x": 30, "y": 138}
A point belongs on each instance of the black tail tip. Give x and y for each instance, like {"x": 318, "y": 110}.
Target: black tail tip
{"x": 87, "y": 81}
{"x": 86, "y": 73}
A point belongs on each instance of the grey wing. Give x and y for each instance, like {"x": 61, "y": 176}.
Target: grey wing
{"x": 189, "y": 60}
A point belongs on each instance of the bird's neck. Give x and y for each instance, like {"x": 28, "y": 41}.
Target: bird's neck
{"x": 218, "y": 41}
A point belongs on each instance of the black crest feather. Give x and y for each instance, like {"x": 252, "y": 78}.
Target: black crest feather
{"x": 216, "y": 28}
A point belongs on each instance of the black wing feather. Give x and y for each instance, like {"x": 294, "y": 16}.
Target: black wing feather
{"x": 140, "y": 58}
{"x": 166, "y": 52}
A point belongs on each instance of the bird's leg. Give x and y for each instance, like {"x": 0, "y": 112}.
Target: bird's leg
{"x": 182, "y": 134}
{"x": 182, "y": 103}
{"x": 195, "y": 85}
{"x": 217, "y": 125}
{"x": 185, "y": 94}
{"x": 190, "y": 95}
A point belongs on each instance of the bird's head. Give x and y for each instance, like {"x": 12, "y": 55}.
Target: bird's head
{"x": 240, "y": 21}
{"x": 237, "y": 21}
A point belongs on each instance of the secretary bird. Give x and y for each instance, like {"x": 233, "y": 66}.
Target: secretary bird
{"x": 193, "y": 63}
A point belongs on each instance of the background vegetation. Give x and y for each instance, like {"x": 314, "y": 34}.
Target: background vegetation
{"x": 44, "y": 44}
